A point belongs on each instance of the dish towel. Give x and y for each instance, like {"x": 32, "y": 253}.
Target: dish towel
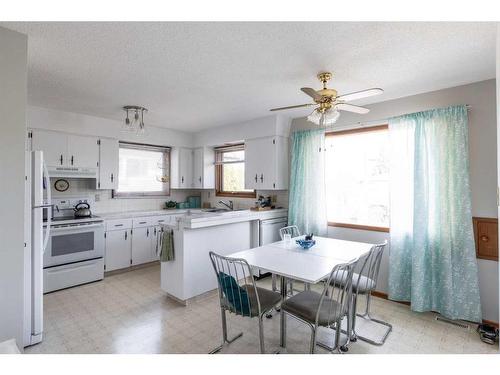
{"x": 167, "y": 246}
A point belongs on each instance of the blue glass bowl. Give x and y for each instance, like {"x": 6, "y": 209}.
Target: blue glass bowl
{"x": 305, "y": 244}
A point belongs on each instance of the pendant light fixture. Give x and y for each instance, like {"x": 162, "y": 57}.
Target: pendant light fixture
{"x": 136, "y": 125}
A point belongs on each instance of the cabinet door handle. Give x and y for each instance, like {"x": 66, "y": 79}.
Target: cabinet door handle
{"x": 126, "y": 235}
{"x": 182, "y": 179}
{"x": 112, "y": 177}
{"x": 199, "y": 179}
{"x": 72, "y": 159}
{"x": 147, "y": 232}
{"x": 256, "y": 177}
{"x": 485, "y": 238}
{"x": 154, "y": 232}
{"x": 261, "y": 177}
{"x": 61, "y": 159}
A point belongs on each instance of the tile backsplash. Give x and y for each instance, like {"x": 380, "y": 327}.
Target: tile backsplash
{"x": 104, "y": 203}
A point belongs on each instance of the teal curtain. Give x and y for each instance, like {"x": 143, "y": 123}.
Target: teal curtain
{"x": 307, "y": 207}
{"x": 432, "y": 260}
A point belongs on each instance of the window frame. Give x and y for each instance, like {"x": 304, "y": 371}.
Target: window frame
{"x": 146, "y": 147}
{"x": 349, "y": 225}
{"x": 219, "y": 183}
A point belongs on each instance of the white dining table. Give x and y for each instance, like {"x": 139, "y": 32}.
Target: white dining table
{"x": 289, "y": 261}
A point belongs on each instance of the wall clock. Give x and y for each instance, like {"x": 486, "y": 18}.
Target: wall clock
{"x": 61, "y": 185}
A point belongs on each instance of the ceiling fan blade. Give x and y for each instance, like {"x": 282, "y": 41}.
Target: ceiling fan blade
{"x": 311, "y": 92}
{"x": 293, "y": 106}
{"x": 352, "y": 108}
{"x": 360, "y": 94}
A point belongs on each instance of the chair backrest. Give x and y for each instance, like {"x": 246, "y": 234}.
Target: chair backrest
{"x": 233, "y": 275}
{"x": 292, "y": 230}
{"x": 337, "y": 291}
{"x": 370, "y": 266}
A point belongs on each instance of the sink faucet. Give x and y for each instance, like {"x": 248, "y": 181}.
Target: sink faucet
{"x": 228, "y": 205}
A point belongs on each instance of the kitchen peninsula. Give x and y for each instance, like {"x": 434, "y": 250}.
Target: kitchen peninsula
{"x": 191, "y": 273}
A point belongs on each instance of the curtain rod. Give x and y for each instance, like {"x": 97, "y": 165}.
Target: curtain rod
{"x": 366, "y": 124}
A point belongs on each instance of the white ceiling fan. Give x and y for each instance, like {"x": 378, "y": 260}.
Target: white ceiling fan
{"x": 328, "y": 103}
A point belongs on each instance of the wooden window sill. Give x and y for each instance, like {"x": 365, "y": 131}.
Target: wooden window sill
{"x": 236, "y": 194}
{"x": 359, "y": 227}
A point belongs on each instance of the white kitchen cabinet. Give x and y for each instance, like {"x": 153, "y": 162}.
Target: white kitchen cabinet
{"x": 198, "y": 168}
{"x": 118, "y": 250}
{"x": 83, "y": 151}
{"x": 53, "y": 144}
{"x": 204, "y": 168}
{"x": 108, "y": 163}
{"x": 181, "y": 160}
{"x": 68, "y": 150}
{"x": 141, "y": 245}
{"x": 266, "y": 163}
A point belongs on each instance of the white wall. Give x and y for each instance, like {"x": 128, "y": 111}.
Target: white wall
{"x": 498, "y": 137}
{"x": 261, "y": 127}
{"x": 13, "y": 88}
{"x": 51, "y": 119}
{"x": 483, "y": 166}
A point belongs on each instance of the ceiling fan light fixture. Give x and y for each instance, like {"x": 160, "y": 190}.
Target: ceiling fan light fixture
{"x": 330, "y": 116}
{"x": 325, "y": 118}
{"x": 314, "y": 117}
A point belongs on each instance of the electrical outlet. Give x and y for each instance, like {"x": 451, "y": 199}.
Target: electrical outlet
{"x": 97, "y": 197}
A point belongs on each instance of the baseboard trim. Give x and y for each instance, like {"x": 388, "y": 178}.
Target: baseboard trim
{"x": 383, "y": 295}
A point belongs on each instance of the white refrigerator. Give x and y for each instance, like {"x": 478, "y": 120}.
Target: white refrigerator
{"x": 37, "y": 183}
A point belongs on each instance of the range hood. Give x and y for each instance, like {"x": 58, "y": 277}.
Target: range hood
{"x": 72, "y": 172}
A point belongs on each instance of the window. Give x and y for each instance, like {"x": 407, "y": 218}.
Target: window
{"x": 357, "y": 178}
{"x": 230, "y": 172}
{"x": 143, "y": 171}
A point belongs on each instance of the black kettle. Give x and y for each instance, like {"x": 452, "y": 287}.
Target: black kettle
{"x": 82, "y": 209}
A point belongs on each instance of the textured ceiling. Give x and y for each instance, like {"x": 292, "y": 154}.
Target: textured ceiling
{"x": 194, "y": 76}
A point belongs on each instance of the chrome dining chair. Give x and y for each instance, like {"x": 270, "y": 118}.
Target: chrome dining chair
{"x": 239, "y": 295}
{"x": 364, "y": 281}
{"x": 326, "y": 309}
{"x": 293, "y": 231}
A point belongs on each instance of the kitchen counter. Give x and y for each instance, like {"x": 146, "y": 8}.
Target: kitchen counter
{"x": 131, "y": 214}
{"x": 196, "y": 220}
{"x": 191, "y": 273}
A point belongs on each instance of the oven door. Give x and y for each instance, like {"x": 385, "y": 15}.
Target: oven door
{"x": 70, "y": 243}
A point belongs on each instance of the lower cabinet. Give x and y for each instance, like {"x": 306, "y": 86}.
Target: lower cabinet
{"x": 136, "y": 242}
{"x": 118, "y": 249}
{"x": 142, "y": 243}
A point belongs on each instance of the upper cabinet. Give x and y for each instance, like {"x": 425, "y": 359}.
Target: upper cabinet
{"x": 204, "y": 168}
{"x": 108, "y": 163}
{"x": 67, "y": 150}
{"x": 192, "y": 168}
{"x": 53, "y": 144}
{"x": 181, "y": 168}
{"x": 83, "y": 151}
{"x": 266, "y": 163}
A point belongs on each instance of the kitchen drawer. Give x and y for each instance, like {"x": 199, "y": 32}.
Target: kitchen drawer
{"x": 164, "y": 219}
{"x": 143, "y": 222}
{"x": 61, "y": 277}
{"x": 118, "y": 224}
